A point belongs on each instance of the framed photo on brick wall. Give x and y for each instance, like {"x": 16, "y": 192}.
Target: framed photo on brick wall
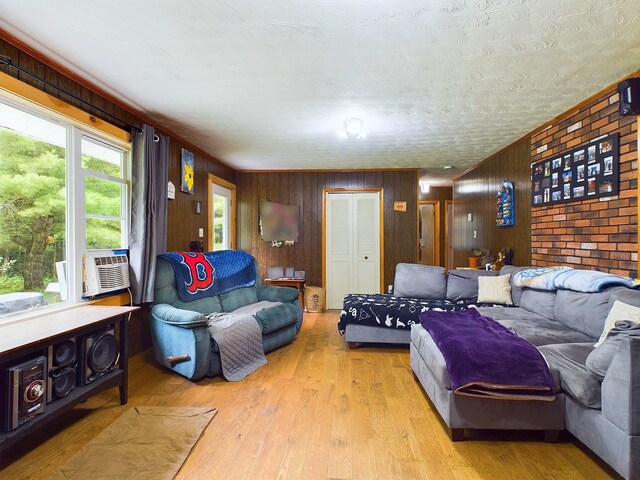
{"x": 588, "y": 171}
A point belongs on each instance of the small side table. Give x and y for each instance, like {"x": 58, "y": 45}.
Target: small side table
{"x": 289, "y": 282}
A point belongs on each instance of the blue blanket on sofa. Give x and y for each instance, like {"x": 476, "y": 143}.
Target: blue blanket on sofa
{"x": 200, "y": 275}
{"x": 552, "y": 278}
{"x": 485, "y": 359}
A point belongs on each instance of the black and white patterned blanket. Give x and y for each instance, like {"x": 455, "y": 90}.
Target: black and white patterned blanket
{"x": 388, "y": 311}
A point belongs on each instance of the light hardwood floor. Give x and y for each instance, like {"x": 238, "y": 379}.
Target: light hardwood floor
{"x": 317, "y": 410}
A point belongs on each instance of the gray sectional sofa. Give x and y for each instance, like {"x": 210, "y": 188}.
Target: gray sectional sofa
{"x": 564, "y": 324}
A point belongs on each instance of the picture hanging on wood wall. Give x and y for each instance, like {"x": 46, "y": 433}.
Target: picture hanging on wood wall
{"x": 186, "y": 172}
{"x": 505, "y": 205}
{"x": 588, "y": 171}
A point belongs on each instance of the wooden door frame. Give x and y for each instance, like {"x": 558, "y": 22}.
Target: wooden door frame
{"x": 380, "y": 192}
{"x": 221, "y": 182}
{"x": 436, "y": 235}
{"x": 447, "y": 241}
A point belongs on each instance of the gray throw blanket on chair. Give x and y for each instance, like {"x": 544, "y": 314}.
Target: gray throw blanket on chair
{"x": 239, "y": 338}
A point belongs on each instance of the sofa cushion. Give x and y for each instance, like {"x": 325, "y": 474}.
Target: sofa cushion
{"x": 463, "y": 284}
{"x": 585, "y": 312}
{"x": 238, "y": 298}
{"x": 495, "y": 290}
{"x": 541, "y": 302}
{"x": 533, "y": 327}
{"x": 569, "y": 360}
{"x": 600, "y": 358}
{"x": 275, "y": 318}
{"x": 619, "y": 311}
{"x": 516, "y": 292}
{"x": 277, "y": 294}
{"x": 430, "y": 353}
{"x": 420, "y": 281}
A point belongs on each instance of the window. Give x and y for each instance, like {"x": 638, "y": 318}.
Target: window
{"x": 63, "y": 190}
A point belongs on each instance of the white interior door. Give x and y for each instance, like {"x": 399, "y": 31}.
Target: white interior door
{"x": 427, "y": 234}
{"x": 352, "y": 245}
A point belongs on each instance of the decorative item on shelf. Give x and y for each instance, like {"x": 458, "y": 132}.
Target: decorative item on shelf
{"x": 275, "y": 272}
{"x": 505, "y": 205}
{"x": 289, "y": 272}
{"x": 186, "y": 172}
{"x": 196, "y": 246}
{"x": 474, "y": 260}
{"x": 505, "y": 257}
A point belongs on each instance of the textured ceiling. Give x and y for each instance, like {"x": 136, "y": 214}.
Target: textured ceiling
{"x": 266, "y": 84}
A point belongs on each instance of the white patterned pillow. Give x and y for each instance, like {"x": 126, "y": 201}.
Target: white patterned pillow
{"x": 495, "y": 290}
{"x": 619, "y": 311}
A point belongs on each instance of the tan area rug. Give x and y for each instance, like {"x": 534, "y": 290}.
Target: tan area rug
{"x": 143, "y": 443}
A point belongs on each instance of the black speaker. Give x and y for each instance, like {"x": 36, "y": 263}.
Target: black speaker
{"x": 97, "y": 354}
{"x": 23, "y": 392}
{"x": 61, "y": 363}
{"x": 629, "y": 96}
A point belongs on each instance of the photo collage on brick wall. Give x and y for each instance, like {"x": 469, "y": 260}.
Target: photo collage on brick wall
{"x": 586, "y": 172}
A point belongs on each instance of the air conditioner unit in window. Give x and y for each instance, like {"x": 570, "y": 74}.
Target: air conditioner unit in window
{"x": 104, "y": 271}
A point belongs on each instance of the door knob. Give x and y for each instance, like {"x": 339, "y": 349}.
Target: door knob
{"x": 366, "y": 258}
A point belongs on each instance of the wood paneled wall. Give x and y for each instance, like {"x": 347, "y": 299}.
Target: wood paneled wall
{"x": 475, "y": 193}
{"x": 183, "y": 222}
{"x": 440, "y": 194}
{"x": 305, "y": 189}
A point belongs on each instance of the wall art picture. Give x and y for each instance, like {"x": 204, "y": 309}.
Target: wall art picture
{"x": 583, "y": 173}
{"x": 278, "y": 222}
{"x": 505, "y": 205}
{"x": 187, "y": 177}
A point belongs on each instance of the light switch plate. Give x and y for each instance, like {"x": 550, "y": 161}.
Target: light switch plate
{"x": 201, "y": 232}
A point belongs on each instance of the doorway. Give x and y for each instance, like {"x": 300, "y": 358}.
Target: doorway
{"x": 352, "y": 243}
{"x": 448, "y": 234}
{"x": 429, "y": 232}
{"x": 222, "y": 214}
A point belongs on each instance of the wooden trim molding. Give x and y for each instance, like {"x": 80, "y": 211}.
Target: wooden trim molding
{"x": 448, "y": 241}
{"x": 334, "y": 170}
{"x": 41, "y": 99}
{"x": 221, "y": 182}
{"x": 380, "y": 192}
{"x": 436, "y": 235}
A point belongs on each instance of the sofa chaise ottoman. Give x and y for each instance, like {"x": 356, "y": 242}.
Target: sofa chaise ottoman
{"x": 564, "y": 324}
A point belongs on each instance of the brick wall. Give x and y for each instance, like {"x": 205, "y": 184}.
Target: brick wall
{"x": 598, "y": 233}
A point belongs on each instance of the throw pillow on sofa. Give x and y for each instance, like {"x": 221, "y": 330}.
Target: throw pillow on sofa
{"x": 619, "y": 311}
{"x": 600, "y": 358}
{"x": 495, "y": 290}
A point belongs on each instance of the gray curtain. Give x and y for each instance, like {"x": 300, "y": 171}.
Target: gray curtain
{"x": 148, "y": 233}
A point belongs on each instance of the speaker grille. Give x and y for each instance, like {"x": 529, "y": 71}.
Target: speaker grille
{"x": 64, "y": 353}
{"x": 103, "y": 353}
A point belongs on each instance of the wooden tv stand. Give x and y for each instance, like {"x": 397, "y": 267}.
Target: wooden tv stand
{"x": 23, "y": 339}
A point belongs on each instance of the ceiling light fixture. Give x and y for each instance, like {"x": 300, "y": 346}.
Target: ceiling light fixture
{"x": 447, "y": 167}
{"x": 424, "y": 186}
{"x": 353, "y": 128}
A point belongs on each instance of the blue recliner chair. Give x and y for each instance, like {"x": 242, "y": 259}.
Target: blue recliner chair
{"x": 181, "y": 341}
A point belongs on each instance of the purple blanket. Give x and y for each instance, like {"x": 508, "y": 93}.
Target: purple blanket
{"x": 485, "y": 359}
